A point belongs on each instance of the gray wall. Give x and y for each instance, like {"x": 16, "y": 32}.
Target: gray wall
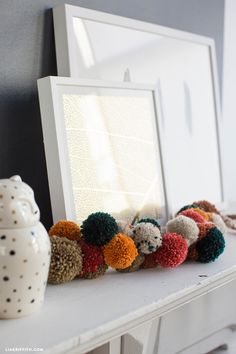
{"x": 27, "y": 53}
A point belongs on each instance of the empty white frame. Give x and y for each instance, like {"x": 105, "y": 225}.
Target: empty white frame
{"x": 182, "y": 67}
{"x": 102, "y": 149}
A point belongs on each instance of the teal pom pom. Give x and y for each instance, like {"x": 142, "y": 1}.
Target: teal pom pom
{"x": 151, "y": 221}
{"x": 185, "y": 207}
{"x": 99, "y": 228}
{"x": 210, "y": 247}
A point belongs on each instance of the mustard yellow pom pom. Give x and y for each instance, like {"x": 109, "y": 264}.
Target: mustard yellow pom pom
{"x": 202, "y": 213}
{"x": 120, "y": 252}
{"x": 67, "y": 229}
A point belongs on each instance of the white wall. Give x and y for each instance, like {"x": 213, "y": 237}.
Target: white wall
{"x": 229, "y": 100}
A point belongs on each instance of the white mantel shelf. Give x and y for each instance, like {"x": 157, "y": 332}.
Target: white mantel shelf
{"x": 84, "y": 314}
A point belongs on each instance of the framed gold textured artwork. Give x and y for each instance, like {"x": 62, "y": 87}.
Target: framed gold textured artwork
{"x": 102, "y": 149}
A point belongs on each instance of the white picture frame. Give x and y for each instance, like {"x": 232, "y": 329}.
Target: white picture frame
{"x": 61, "y": 102}
{"x": 75, "y": 26}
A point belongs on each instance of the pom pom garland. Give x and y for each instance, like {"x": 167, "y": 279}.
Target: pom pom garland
{"x": 120, "y": 252}
{"x": 103, "y": 242}
{"x": 99, "y": 228}
{"x": 147, "y": 237}
{"x": 66, "y": 260}
{"x": 67, "y": 229}
{"x": 190, "y": 213}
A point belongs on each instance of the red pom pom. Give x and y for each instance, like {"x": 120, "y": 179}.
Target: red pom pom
{"x": 190, "y": 213}
{"x": 173, "y": 251}
{"x": 92, "y": 258}
{"x": 150, "y": 261}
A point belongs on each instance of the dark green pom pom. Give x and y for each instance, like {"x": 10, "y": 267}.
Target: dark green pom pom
{"x": 99, "y": 228}
{"x": 211, "y": 246}
{"x": 151, "y": 221}
{"x": 189, "y": 206}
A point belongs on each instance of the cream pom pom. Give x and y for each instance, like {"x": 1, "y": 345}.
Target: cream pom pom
{"x": 185, "y": 227}
{"x": 125, "y": 228}
{"x": 219, "y": 222}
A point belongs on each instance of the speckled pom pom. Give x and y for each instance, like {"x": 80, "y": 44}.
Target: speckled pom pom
{"x": 219, "y": 222}
{"x": 93, "y": 261}
{"x": 150, "y": 221}
{"x": 190, "y": 213}
{"x": 135, "y": 265}
{"x": 147, "y": 237}
{"x": 99, "y": 228}
{"x": 210, "y": 247}
{"x": 120, "y": 252}
{"x": 66, "y": 260}
{"x": 125, "y": 228}
{"x": 185, "y": 227}
{"x": 173, "y": 251}
{"x": 67, "y": 229}
{"x": 186, "y": 207}
{"x": 207, "y": 206}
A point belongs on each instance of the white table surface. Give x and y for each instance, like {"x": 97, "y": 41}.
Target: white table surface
{"x": 86, "y": 313}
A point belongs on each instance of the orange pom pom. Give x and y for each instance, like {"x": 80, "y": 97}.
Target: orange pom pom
{"x": 120, "y": 252}
{"x": 204, "y": 228}
{"x": 67, "y": 229}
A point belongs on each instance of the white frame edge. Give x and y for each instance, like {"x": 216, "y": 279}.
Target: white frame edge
{"x": 219, "y": 121}
{"x": 51, "y": 146}
{"x": 65, "y": 41}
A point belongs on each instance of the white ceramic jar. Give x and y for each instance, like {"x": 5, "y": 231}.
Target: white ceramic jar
{"x": 24, "y": 250}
